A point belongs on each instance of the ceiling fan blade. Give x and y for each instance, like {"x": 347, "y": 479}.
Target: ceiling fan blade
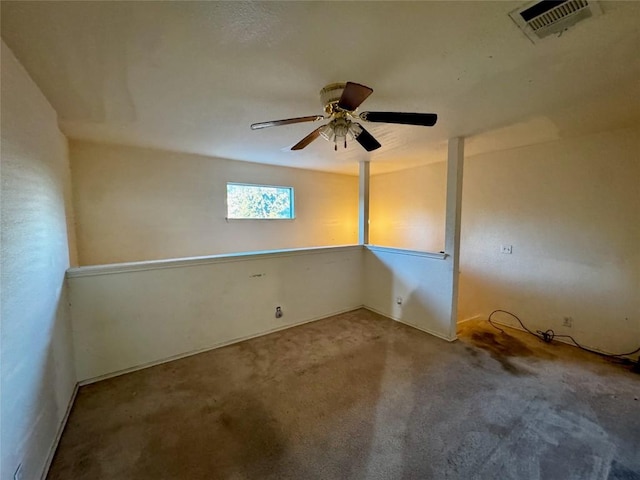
{"x": 286, "y": 121}
{"x": 367, "y": 141}
{"x": 423, "y": 119}
{"x": 308, "y": 139}
{"x": 353, "y": 95}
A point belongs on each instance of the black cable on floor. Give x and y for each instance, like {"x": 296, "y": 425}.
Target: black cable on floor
{"x": 549, "y": 335}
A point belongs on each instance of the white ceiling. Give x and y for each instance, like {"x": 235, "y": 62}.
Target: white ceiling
{"x": 192, "y": 76}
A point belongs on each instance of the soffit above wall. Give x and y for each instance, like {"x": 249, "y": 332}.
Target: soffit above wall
{"x": 192, "y": 76}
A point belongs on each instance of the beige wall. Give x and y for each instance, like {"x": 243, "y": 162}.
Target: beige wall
{"x": 137, "y": 204}
{"x": 407, "y": 208}
{"x": 412, "y": 287}
{"x": 125, "y": 317}
{"x": 38, "y": 376}
{"x": 571, "y": 210}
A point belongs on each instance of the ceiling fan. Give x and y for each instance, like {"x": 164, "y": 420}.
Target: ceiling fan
{"x": 340, "y": 102}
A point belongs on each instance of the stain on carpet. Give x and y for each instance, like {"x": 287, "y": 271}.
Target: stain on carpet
{"x": 620, "y": 472}
{"x": 503, "y": 349}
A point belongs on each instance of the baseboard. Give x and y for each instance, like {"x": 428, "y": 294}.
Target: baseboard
{"x": 425, "y": 330}
{"x": 475, "y": 317}
{"x": 61, "y": 427}
{"x": 213, "y": 347}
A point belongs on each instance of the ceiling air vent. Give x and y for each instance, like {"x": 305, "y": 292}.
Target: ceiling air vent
{"x": 540, "y": 19}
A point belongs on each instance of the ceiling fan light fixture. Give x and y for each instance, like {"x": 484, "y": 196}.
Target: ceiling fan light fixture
{"x": 327, "y": 132}
{"x": 341, "y": 127}
{"x": 337, "y": 131}
{"x": 355, "y": 130}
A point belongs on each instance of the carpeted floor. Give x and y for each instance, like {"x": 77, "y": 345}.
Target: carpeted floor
{"x": 359, "y": 396}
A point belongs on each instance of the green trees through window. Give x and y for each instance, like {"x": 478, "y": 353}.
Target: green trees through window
{"x": 259, "y": 201}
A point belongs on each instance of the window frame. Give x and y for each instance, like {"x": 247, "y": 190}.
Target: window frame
{"x": 291, "y": 190}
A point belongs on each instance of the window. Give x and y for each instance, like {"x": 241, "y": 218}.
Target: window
{"x": 259, "y": 201}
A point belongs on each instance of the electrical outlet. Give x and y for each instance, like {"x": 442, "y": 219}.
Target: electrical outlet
{"x": 567, "y": 321}
{"x": 19, "y": 475}
{"x": 279, "y": 313}
{"x": 506, "y": 249}
{"x": 399, "y": 300}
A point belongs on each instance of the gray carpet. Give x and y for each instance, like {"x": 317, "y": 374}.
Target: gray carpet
{"x": 359, "y": 396}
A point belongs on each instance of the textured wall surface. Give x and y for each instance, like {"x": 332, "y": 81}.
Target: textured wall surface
{"x": 38, "y": 375}
{"x": 409, "y": 287}
{"x": 571, "y": 211}
{"x": 151, "y": 313}
{"x": 408, "y": 208}
{"x": 569, "y": 208}
{"x": 136, "y": 204}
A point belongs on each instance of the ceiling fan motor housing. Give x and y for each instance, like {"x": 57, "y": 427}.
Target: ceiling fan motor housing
{"x": 330, "y": 95}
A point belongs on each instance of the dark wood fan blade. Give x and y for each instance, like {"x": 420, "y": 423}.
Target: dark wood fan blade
{"x": 286, "y": 121}
{"x": 353, "y": 95}
{"x": 308, "y": 139}
{"x": 366, "y": 140}
{"x": 423, "y": 119}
